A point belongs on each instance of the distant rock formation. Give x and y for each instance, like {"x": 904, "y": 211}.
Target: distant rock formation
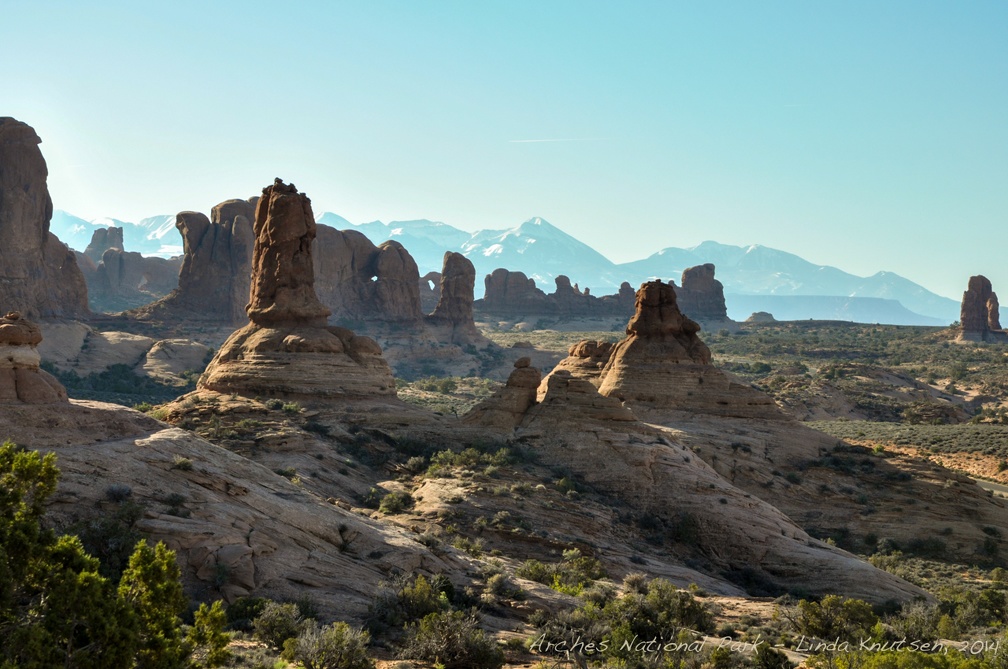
{"x": 979, "y": 313}
{"x": 663, "y": 365}
{"x": 430, "y": 291}
{"x": 21, "y": 379}
{"x": 701, "y": 296}
{"x": 360, "y": 281}
{"x": 213, "y": 282}
{"x": 287, "y": 350}
{"x": 121, "y": 279}
{"x": 39, "y": 276}
{"x": 761, "y": 317}
{"x": 513, "y": 295}
{"x": 452, "y": 319}
{"x": 103, "y": 239}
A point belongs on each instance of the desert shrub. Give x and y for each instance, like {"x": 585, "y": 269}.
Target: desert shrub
{"x": 335, "y": 646}
{"x": 277, "y": 623}
{"x": 571, "y": 575}
{"x": 399, "y": 601}
{"x": 452, "y": 639}
{"x": 395, "y": 502}
{"x": 833, "y": 617}
{"x": 182, "y": 464}
{"x": 111, "y": 537}
{"x": 244, "y": 610}
{"x": 118, "y": 492}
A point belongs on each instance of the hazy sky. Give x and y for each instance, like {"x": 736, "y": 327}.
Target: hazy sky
{"x": 868, "y": 135}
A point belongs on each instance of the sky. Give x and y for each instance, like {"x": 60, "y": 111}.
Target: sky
{"x": 864, "y": 135}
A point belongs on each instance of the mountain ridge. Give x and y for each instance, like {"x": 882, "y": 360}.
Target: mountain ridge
{"x": 544, "y": 251}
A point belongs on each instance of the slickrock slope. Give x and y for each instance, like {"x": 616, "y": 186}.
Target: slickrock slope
{"x": 236, "y": 526}
{"x": 287, "y": 350}
{"x": 661, "y": 372}
{"x": 710, "y": 521}
{"x": 213, "y": 283}
{"x": 979, "y": 312}
{"x": 21, "y": 380}
{"x": 39, "y": 276}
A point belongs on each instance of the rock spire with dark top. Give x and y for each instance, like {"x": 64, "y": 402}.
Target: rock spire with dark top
{"x": 287, "y": 350}
{"x": 283, "y": 277}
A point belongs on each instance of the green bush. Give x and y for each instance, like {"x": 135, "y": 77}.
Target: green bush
{"x": 452, "y": 639}
{"x": 833, "y": 617}
{"x": 395, "y": 502}
{"x": 277, "y": 623}
{"x": 571, "y": 575}
{"x": 207, "y": 638}
{"x": 334, "y": 646}
{"x": 400, "y": 601}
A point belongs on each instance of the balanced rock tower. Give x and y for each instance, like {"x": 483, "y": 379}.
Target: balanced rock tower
{"x": 21, "y": 380}
{"x": 287, "y": 350}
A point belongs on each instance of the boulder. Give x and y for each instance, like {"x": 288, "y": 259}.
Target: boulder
{"x": 39, "y": 276}
{"x": 21, "y": 379}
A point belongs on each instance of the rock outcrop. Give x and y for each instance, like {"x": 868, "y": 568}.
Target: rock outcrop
{"x": 506, "y": 408}
{"x": 21, "y": 379}
{"x": 761, "y": 317}
{"x": 287, "y": 350}
{"x": 39, "y": 276}
{"x": 514, "y": 296}
{"x": 103, "y": 239}
{"x": 118, "y": 279}
{"x": 452, "y": 319}
{"x": 701, "y": 296}
{"x": 430, "y": 291}
{"x": 662, "y": 365}
{"x": 979, "y": 312}
{"x": 213, "y": 282}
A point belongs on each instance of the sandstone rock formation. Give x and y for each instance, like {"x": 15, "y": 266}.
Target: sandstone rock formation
{"x": 761, "y": 317}
{"x": 662, "y": 365}
{"x": 430, "y": 291}
{"x": 103, "y": 239}
{"x": 21, "y": 380}
{"x": 39, "y": 276}
{"x": 118, "y": 279}
{"x": 701, "y": 296}
{"x": 287, "y": 350}
{"x": 979, "y": 312}
{"x": 213, "y": 282}
{"x": 452, "y": 319}
{"x": 514, "y": 296}
{"x": 506, "y": 408}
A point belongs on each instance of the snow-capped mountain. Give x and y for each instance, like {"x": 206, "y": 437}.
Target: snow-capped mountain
{"x": 153, "y": 236}
{"x": 760, "y": 270}
{"x": 756, "y": 278}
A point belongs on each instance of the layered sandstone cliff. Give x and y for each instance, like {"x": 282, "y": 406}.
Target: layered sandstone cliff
{"x": 39, "y": 276}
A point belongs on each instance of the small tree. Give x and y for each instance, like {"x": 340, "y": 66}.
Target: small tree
{"x": 207, "y": 637}
{"x": 151, "y": 585}
{"x": 277, "y": 623}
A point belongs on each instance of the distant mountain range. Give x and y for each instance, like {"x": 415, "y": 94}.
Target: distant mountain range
{"x": 154, "y": 236}
{"x": 756, "y": 278}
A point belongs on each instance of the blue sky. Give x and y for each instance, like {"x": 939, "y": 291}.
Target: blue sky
{"x": 866, "y": 135}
